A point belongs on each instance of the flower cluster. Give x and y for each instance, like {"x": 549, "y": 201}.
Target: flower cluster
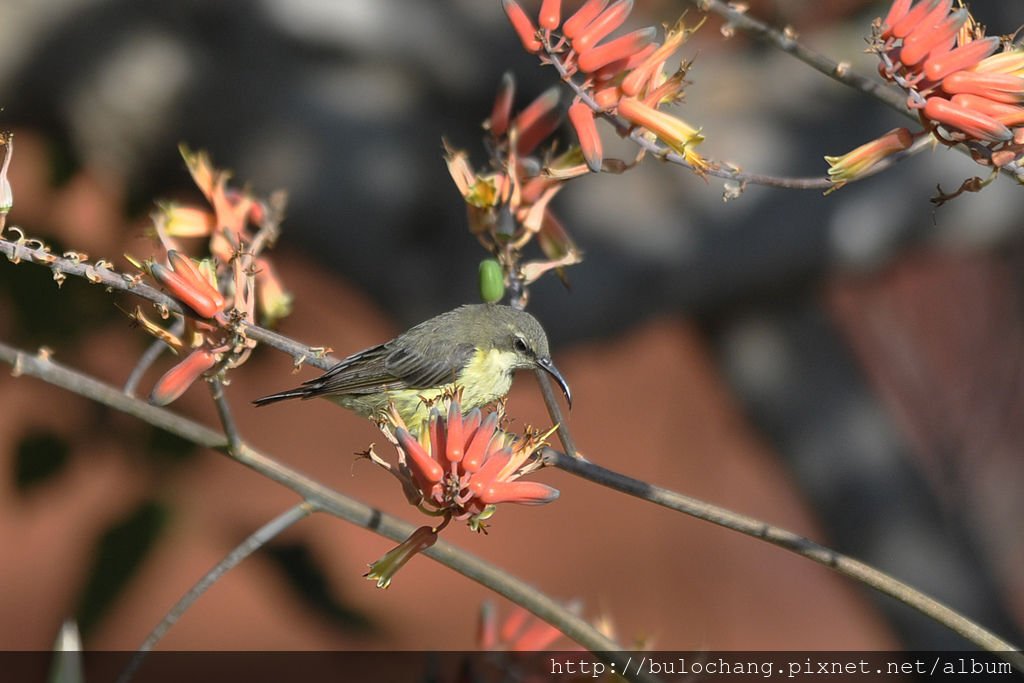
{"x": 233, "y": 285}
{"x": 621, "y": 76}
{"x": 965, "y": 87}
{"x": 459, "y": 468}
{"x": 508, "y": 204}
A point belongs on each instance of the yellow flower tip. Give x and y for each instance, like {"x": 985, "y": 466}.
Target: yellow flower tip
{"x": 1007, "y": 62}
{"x": 678, "y": 135}
{"x": 860, "y": 161}
{"x": 185, "y": 221}
{"x": 199, "y": 165}
{"x": 272, "y": 299}
{"x": 383, "y": 570}
{"x": 648, "y": 72}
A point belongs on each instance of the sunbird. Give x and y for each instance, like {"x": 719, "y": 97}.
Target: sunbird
{"x": 474, "y": 349}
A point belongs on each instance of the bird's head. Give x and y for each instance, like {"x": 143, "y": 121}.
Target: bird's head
{"x": 519, "y": 337}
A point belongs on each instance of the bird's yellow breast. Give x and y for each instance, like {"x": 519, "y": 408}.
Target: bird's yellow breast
{"x": 486, "y": 378}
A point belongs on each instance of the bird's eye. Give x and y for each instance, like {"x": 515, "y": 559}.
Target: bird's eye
{"x": 519, "y": 345}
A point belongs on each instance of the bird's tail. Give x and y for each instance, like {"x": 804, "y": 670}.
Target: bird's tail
{"x": 282, "y": 396}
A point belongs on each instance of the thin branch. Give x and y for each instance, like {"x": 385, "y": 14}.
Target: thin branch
{"x": 792, "y": 542}
{"x": 817, "y": 61}
{"x": 661, "y": 151}
{"x": 555, "y": 412}
{"x": 469, "y": 566}
{"x": 325, "y": 499}
{"x": 227, "y": 420}
{"x": 32, "y": 251}
{"x": 893, "y": 98}
{"x": 246, "y": 548}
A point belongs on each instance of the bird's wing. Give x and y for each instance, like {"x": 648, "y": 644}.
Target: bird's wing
{"x": 388, "y": 367}
{"x": 438, "y": 365}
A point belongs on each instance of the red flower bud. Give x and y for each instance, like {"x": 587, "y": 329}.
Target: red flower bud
{"x": 582, "y": 118}
{"x": 524, "y": 28}
{"x": 999, "y": 87}
{"x": 502, "y": 110}
{"x": 940, "y": 65}
{"x": 425, "y": 470}
{"x": 622, "y": 48}
{"x": 910, "y": 20}
{"x": 550, "y": 14}
{"x": 539, "y": 120}
{"x": 898, "y": 10}
{"x": 970, "y": 122}
{"x": 608, "y": 21}
{"x": 200, "y": 299}
{"x": 583, "y": 16}
{"x": 1006, "y": 114}
{"x": 179, "y": 378}
{"x": 926, "y": 39}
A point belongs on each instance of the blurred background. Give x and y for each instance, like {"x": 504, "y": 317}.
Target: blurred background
{"x": 848, "y": 367}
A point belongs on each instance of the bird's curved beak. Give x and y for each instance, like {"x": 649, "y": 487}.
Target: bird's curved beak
{"x": 547, "y": 366}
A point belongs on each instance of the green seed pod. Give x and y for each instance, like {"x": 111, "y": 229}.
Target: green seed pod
{"x": 492, "y": 281}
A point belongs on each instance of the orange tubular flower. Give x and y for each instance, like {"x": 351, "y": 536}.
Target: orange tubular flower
{"x": 643, "y": 76}
{"x": 942, "y": 64}
{"x": 926, "y": 38}
{"x": 550, "y": 14}
{"x": 502, "y": 110}
{"x": 524, "y": 28}
{"x": 971, "y": 122}
{"x": 622, "y": 48}
{"x": 575, "y": 24}
{"x": 609, "y": 20}
{"x": 607, "y": 98}
{"x": 675, "y": 133}
{"x": 581, "y": 116}
{"x": 861, "y": 161}
{"x": 461, "y": 466}
{"x": 1006, "y": 114}
{"x": 909, "y": 21}
{"x": 179, "y": 378}
{"x": 963, "y": 87}
{"x": 614, "y": 70}
{"x": 998, "y": 87}
{"x": 189, "y": 287}
{"x": 539, "y": 120}
{"x": 898, "y": 10}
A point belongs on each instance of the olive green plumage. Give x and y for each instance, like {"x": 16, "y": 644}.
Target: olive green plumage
{"x": 475, "y": 348}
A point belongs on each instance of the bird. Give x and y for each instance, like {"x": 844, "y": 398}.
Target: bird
{"x": 473, "y": 349}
